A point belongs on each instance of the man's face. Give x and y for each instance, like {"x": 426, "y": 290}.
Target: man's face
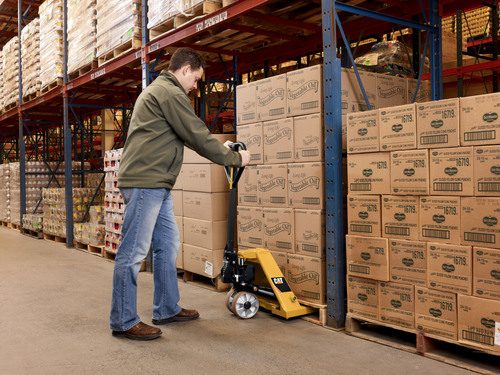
{"x": 189, "y": 78}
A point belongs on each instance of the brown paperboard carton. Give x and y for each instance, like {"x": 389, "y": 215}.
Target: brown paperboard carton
{"x": 400, "y": 217}
{"x": 246, "y": 103}
{"x": 451, "y": 171}
{"x": 436, "y": 312}
{"x": 424, "y": 91}
{"x": 247, "y": 187}
{"x": 363, "y": 132}
{"x": 397, "y": 304}
{"x": 209, "y": 178}
{"x": 367, "y": 257}
{"x": 180, "y": 225}
{"x": 487, "y": 170}
{"x": 364, "y": 215}
{"x": 438, "y": 124}
{"x": 272, "y": 185}
{"x": 479, "y": 120}
{"x": 351, "y": 90}
{"x": 305, "y": 91}
{"x": 486, "y": 272}
{"x": 306, "y": 277}
{"x": 398, "y": 128}
{"x": 408, "y": 260}
{"x": 177, "y": 197}
{"x": 440, "y": 219}
{"x": 192, "y": 157}
{"x": 206, "y": 206}
{"x": 278, "y": 141}
{"x": 281, "y": 260}
{"x": 208, "y": 234}
{"x": 479, "y": 322}
{"x": 410, "y": 172}
{"x": 252, "y": 137}
{"x": 271, "y": 98}
{"x": 363, "y": 297}
{"x": 306, "y": 185}
{"x": 278, "y": 224}
{"x": 369, "y": 173}
{"x": 480, "y": 226}
{"x": 250, "y": 226}
{"x": 449, "y": 267}
{"x": 308, "y": 138}
{"x": 391, "y": 91}
{"x": 310, "y": 232}
{"x": 202, "y": 261}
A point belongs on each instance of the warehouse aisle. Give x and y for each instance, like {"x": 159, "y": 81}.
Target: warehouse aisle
{"x": 54, "y": 306}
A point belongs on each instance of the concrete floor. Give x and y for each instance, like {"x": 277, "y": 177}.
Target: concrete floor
{"x": 54, "y": 308}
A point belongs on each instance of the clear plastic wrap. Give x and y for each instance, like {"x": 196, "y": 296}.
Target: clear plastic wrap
{"x": 82, "y": 33}
{"x": 30, "y": 53}
{"x": 161, "y": 10}
{"x": 10, "y": 64}
{"x": 51, "y": 41}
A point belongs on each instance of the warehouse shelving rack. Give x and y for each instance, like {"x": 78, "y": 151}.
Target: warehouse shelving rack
{"x": 243, "y": 37}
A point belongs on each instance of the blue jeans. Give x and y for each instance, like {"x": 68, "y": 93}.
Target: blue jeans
{"x": 149, "y": 220}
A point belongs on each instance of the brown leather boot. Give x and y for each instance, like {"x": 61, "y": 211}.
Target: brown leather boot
{"x": 183, "y": 315}
{"x": 140, "y": 331}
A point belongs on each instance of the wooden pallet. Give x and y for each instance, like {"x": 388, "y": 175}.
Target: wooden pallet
{"x": 319, "y": 317}
{"x": 58, "y": 82}
{"x": 128, "y": 46}
{"x": 14, "y": 226}
{"x": 432, "y": 346}
{"x": 5, "y": 224}
{"x": 30, "y": 97}
{"x": 32, "y": 233}
{"x": 54, "y": 238}
{"x": 83, "y": 70}
{"x": 91, "y": 249}
{"x": 10, "y": 106}
{"x": 109, "y": 255}
{"x": 215, "y": 284}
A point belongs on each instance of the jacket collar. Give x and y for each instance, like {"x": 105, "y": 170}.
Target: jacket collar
{"x": 170, "y": 77}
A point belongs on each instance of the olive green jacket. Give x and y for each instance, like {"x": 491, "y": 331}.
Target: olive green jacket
{"x": 162, "y": 122}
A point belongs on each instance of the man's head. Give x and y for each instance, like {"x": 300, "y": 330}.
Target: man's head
{"x": 188, "y": 67}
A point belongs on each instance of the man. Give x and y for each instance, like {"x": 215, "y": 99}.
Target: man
{"x": 162, "y": 122}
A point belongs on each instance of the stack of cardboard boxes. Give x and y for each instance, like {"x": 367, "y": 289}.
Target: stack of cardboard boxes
{"x": 423, "y": 208}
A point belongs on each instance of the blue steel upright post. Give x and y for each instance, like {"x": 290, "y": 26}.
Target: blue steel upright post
{"x": 22, "y": 147}
{"x": 335, "y": 254}
{"x": 436, "y": 49}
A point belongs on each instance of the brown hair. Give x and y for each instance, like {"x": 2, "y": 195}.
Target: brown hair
{"x": 186, "y": 56}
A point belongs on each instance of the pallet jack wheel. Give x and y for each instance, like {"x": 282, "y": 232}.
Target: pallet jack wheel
{"x": 229, "y": 300}
{"x": 245, "y": 305}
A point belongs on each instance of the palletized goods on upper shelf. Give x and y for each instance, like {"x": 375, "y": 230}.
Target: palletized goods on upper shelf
{"x": 30, "y": 53}
{"x": 51, "y": 41}
{"x": 82, "y": 23}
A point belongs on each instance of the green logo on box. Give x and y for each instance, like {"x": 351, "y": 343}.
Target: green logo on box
{"x": 365, "y": 256}
{"x": 399, "y": 216}
{"x": 495, "y": 274}
{"x": 448, "y": 267}
{"x": 395, "y": 303}
{"x": 439, "y": 218}
{"x": 362, "y": 297}
{"x": 495, "y": 170}
{"x": 437, "y": 124}
{"x": 407, "y": 262}
{"x": 367, "y": 172}
{"x": 451, "y": 171}
{"x": 490, "y": 221}
{"x": 435, "y": 312}
{"x": 362, "y": 131}
{"x": 490, "y": 117}
{"x": 488, "y": 323}
{"x": 363, "y": 215}
{"x": 409, "y": 172}
{"x": 397, "y": 128}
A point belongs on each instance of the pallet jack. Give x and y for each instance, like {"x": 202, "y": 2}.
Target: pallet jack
{"x": 255, "y": 278}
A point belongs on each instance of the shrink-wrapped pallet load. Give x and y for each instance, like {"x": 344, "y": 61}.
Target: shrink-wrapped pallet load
{"x": 11, "y": 71}
{"x": 15, "y": 194}
{"x": 2, "y": 101}
{"x": 30, "y": 54}
{"x": 51, "y": 42}
{"x": 4, "y": 193}
{"x": 82, "y": 20}
{"x": 161, "y": 10}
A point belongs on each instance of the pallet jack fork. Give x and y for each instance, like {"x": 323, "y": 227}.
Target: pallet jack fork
{"x": 256, "y": 279}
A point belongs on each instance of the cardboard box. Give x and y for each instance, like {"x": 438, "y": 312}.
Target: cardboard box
{"x": 272, "y": 185}
{"x": 410, "y": 172}
{"x": 486, "y": 273}
{"x": 424, "y": 91}
{"x": 250, "y": 226}
{"x": 479, "y": 225}
{"x": 192, "y": 157}
{"x": 451, "y": 171}
{"x": 278, "y": 230}
{"x": 352, "y": 96}
{"x": 247, "y": 187}
{"x": 210, "y": 235}
{"x": 363, "y": 132}
{"x": 364, "y": 215}
{"x": 438, "y": 124}
{"x": 479, "y": 120}
{"x": 305, "y": 91}
{"x": 202, "y": 261}
{"x": 369, "y": 173}
{"x": 436, "y": 312}
{"x": 408, "y": 260}
{"x": 306, "y": 277}
{"x": 363, "y": 297}
{"x": 397, "y": 304}
{"x": 391, "y": 91}
{"x": 449, "y": 267}
{"x": 306, "y": 185}
{"x": 177, "y": 196}
{"x": 281, "y": 260}
{"x": 440, "y": 219}
{"x": 180, "y": 258}
{"x": 209, "y": 178}
{"x": 367, "y": 257}
{"x": 479, "y": 322}
{"x": 246, "y": 103}
{"x": 251, "y": 135}
{"x": 310, "y": 232}
{"x": 487, "y": 170}
{"x": 206, "y": 206}
{"x": 398, "y": 128}
{"x": 180, "y": 225}
{"x": 271, "y": 98}
{"x": 278, "y": 141}
{"x": 309, "y": 142}
{"x": 400, "y": 217}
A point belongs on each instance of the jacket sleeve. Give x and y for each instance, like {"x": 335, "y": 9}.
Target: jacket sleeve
{"x": 193, "y": 131}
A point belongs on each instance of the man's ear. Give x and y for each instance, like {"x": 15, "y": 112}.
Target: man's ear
{"x": 186, "y": 69}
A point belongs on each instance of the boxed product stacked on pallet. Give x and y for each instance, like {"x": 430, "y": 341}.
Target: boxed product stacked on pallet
{"x": 11, "y": 73}
{"x": 5, "y": 193}
{"x": 30, "y": 53}
{"x": 51, "y": 43}
{"x": 113, "y": 201}
{"x": 33, "y": 222}
{"x": 82, "y": 21}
